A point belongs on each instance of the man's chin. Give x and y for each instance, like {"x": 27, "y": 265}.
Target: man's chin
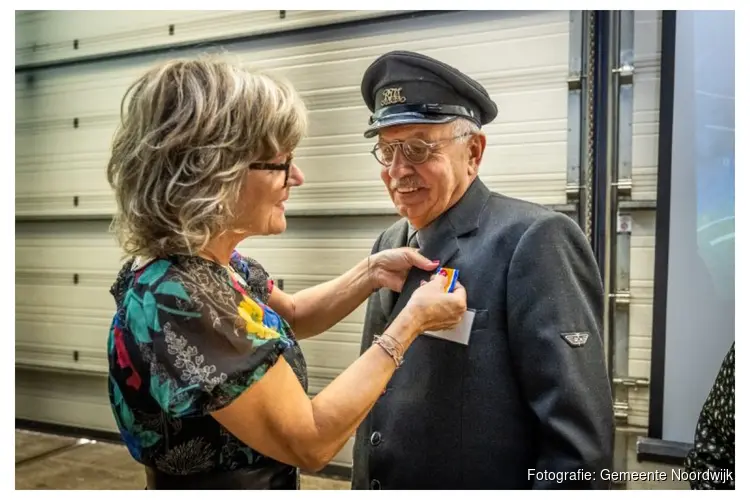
{"x": 413, "y": 213}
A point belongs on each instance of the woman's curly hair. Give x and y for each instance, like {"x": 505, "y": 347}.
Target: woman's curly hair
{"x": 189, "y": 131}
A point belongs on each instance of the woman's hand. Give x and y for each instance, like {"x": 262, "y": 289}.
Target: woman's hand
{"x": 388, "y": 269}
{"x": 433, "y": 309}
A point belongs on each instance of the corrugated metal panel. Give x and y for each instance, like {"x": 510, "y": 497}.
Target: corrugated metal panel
{"x": 64, "y": 398}
{"x": 642, "y": 289}
{"x": 65, "y": 117}
{"x": 647, "y": 56}
{"x": 641, "y": 311}
{"x": 51, "y": 36}
{"x": 646, "y": 81}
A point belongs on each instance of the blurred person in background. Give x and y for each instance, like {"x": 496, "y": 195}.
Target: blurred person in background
{"x": 712, "y": 455}
{"x": 207, "y": 381}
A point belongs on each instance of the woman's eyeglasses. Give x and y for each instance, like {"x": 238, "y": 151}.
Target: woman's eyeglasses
{"x": 286, "y": 166}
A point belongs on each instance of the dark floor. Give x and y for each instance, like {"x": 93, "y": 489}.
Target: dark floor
{"x": 48, "y": 462}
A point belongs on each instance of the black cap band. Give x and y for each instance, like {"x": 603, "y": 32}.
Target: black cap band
{"x": 425, "y": 109}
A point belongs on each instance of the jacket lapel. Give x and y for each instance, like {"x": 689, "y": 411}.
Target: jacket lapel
{"x": 440, "y": 239}
{"x": 388, "y": 297}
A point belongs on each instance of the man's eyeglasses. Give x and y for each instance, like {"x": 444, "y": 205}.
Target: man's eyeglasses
{"x": 286, "y": 166}
{"x": 416, "y": 151}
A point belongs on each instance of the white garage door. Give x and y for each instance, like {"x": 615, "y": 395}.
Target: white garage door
{"x": 65, "y": 118}
{"x": 54, "y": 36}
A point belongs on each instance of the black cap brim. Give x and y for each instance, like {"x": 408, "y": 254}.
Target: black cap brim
{"x": 406, "y": 119}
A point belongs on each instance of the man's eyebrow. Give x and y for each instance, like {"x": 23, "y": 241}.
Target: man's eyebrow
{"x": 416, "y": 135}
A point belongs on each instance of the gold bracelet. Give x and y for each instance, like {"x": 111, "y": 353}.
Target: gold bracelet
{"x": 388, "y": 345}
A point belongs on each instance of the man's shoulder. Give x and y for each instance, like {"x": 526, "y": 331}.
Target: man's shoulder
{"x": 508, "y": 213}
{"x": 511, "y": 224}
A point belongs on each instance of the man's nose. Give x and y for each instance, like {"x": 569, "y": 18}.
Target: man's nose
{"x": 296, "y": 177}
{"x": 400, "y": 167}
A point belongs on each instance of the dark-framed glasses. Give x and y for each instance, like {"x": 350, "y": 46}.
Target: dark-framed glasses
{"x": 416, "y": 151}
{"x": 285, "y": 167}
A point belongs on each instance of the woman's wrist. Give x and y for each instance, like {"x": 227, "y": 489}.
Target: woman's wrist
{"x": 405, "y": 327}
{"x": 371, "y": 276}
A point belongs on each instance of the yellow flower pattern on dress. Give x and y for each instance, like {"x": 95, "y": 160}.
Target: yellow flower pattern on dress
{"x": 252, "y": 313}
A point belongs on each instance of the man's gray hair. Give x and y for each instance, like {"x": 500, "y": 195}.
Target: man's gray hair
{"x": 464, "y": 127}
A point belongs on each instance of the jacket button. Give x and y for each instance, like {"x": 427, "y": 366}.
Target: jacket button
{"x": 375, "y": 438}
{"x": 374, "y": 484}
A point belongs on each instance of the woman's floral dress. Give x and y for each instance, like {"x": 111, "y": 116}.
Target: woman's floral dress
{"x": 188, "y": 337}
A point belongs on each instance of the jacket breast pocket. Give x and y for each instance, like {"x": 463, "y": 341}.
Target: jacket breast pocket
{"x": 481, "y": 318}
{"x": 481, "y": 338}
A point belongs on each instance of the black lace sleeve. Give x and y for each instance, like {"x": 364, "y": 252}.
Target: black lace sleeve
{"x": 255, "y": 276}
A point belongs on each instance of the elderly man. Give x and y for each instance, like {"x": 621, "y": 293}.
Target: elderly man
{"x": 518, "y": 396}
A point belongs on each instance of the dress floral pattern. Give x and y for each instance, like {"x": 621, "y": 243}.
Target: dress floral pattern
{"x": 188, "y": 337}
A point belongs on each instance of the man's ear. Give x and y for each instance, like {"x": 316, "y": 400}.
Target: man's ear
{"x": 477, "y": 145}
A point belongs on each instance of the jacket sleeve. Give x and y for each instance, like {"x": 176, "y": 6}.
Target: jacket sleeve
{"x": 555, "y": 309}
{"x": 713, "y": 449}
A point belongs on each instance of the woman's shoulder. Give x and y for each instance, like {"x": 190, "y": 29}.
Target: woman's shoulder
{"x": 175, "y": 288}
{"x": 179, "y": 274}
{"x": 184, "y": 289}
{"x": 173, "y": 278}
{"x": 256, "y": 278}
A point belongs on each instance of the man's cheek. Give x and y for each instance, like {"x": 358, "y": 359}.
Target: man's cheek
{"x": 386, "y": 180}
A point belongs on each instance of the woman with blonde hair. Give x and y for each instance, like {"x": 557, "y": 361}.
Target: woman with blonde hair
{"x": 207, "y": 380}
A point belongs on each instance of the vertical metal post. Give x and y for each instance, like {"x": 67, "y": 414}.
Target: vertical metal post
{"x": 619, "y": 251}
{"x": 602, "y": 138}
{"x": 582, "y": 185}
{"x": 621, "y": 294}
{"x": 575, "y": 111}
{"x": 619, "y": 290}
{"x": 589, "y": 125}
{"x": 623, "y": 73}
